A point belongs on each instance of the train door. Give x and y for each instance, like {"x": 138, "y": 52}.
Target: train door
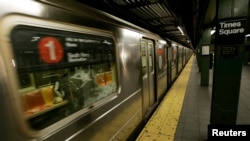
{"x": 170, "y": 58}
{"x": 148, "y": 75}
{"x": 174, "y": 64}
{"x": 161, "y": 69}
{"x": 180, "y": 58}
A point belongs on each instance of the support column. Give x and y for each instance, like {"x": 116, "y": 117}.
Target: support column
{"x": 230, "y": 35}
{"x": 198, "y": 55}
{"x": 205, "y": 58}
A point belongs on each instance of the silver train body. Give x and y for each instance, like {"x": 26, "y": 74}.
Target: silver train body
{"x": 73, "y": 73}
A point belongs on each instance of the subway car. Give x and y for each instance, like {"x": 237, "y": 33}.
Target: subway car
{"x": 70, "y": 72}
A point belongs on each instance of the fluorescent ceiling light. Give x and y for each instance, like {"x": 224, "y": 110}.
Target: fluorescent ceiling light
{"x": 248, "y": 35}
{"x": 180, "y": 30}
{"x": 212, "y": 32}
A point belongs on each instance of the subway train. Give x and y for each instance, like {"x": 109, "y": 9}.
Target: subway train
{"x": 70, "y": 72}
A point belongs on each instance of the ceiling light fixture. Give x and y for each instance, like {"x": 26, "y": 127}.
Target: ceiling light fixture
{"x": 212, "y": 30}
{"x": 182, "y": 33}
{"x": 248, "y": 35}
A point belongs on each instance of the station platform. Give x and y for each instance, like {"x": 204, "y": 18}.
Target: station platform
{"x": 184, "y": 113}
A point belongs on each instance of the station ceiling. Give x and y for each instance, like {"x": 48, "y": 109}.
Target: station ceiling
{"x": 168, "y": 18}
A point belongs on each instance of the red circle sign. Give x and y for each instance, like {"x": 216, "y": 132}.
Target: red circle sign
{"x": 50, "y": 50}
{"x": 160, "y": 51}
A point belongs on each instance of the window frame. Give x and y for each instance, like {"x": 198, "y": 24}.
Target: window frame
{"x": 8, "y": 24}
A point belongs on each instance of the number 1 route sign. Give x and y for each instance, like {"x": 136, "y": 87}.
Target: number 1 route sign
{"x": 50, "y": 50}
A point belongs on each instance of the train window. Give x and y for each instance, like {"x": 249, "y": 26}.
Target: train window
{"x": 61, "y": 72}
{"x": 162, "y": 58}
{"x": 151, "y": 56}
{"x": 147, "y": 57}
{"x": 174, "y": 56}
{"x": 180, "y": 54}
{"x": 144, "y": 58}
